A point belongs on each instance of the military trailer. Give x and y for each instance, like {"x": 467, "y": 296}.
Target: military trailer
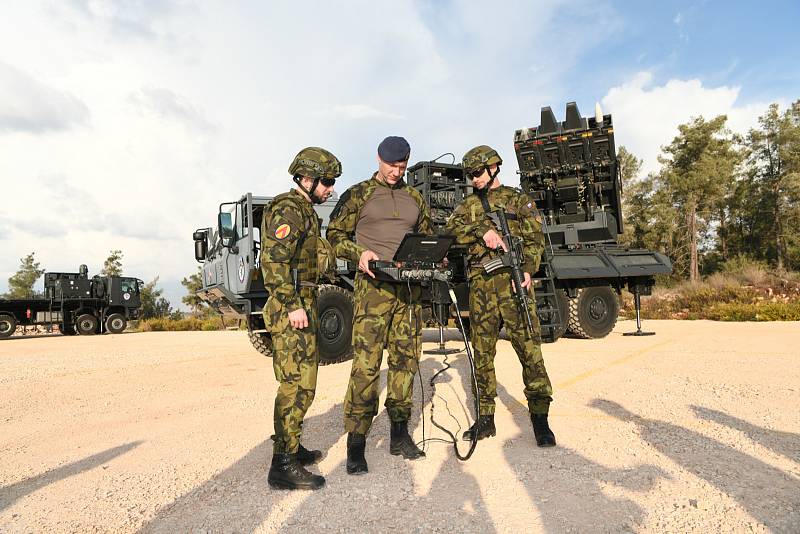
{"x": 76, "y": 304}
{"x": 569, "y": 169}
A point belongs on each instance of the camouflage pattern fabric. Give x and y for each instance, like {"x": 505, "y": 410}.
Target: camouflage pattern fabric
{"x": 490, "y": 300}
{"x": 491, "y": 297}
{"x": 381, "y": 319}
{"x": 469, "y": 223}
{"x": 284, "y": 247}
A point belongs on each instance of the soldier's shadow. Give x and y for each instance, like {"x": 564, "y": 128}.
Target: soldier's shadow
{"x": 765, "y": 492}
{"x": 582, "y": 504}
{"x": 785, "y": 443}
{"x": 13, "y": 492}
{"x": 238, "y": 498}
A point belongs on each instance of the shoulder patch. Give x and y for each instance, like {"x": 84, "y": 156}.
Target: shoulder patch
{"x": 283, "y": 231}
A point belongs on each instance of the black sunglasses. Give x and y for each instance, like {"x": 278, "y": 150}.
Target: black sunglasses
{"x": 476, "y": 174}
{"x": 328, "y": 182}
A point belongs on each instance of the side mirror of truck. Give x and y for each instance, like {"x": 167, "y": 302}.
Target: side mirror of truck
{"x": 227, "y": 233}
{"x": 200, "y": 245}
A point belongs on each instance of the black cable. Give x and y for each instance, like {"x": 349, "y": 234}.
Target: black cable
{"x": 453, "y": 439}
{"x": 445, "y": 154}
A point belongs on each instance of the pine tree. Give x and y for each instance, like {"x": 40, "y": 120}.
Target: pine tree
{"x": 153, "y": 303}
{"x": 193, "y": 283}
{"x": 113, "y": 264}
{"x": 20, "y": 284}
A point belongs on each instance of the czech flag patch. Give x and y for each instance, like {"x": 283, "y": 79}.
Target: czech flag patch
{"x": 282, "y": 231}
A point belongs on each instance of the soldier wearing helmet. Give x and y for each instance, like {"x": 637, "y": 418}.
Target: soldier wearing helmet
{"x": 491, "y": 300}
{"x": 368, "y": 224}
{"x": 293, "y": 260}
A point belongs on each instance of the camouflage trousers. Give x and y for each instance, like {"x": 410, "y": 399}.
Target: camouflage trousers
{"x": 294, "y": 361}
{"x": 490, "y": 300}
{"x": 381, "y": 319}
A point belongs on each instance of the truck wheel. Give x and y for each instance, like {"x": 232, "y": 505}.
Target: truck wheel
{"x": 262, "y": 341}
{"x": 86, "y": 325}
{"x": 8, "y": 325}
{"x": 335, "y": 324}
{"x": 116, "y": 323}
{"x": 593, "y": 312}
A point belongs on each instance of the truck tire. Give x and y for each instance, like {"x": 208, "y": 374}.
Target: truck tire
{"x": 335, "y": 324}
{"x": 86, "y": 325}
{"x": 8, "y": 325}
{"x": 116, "y": 323}
{"x": 593, "y": 312}
{"x": 261, "y": 341}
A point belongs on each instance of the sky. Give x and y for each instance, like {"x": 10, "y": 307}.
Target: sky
{"x": 125, "y": 123}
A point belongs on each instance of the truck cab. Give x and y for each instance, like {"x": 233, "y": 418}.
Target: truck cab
{"x": 233, "y": 283}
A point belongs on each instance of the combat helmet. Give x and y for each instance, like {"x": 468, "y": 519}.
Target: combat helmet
{"x": 478, "y": 159}
{"x": 317, "y": 163}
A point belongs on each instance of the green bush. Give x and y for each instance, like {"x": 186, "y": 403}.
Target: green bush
{"x": 165, "y": 324}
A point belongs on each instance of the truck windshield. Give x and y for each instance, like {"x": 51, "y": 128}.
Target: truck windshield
{"x": 128, "y": 285}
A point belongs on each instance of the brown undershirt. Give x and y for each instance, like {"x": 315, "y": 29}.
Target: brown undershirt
{"x": 388, "y": 215}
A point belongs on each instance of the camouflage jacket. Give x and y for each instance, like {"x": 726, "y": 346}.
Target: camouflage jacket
{"x": 345, "y": 216}
{"x": 285, "y": 247}
{"x": 469, "y": 222}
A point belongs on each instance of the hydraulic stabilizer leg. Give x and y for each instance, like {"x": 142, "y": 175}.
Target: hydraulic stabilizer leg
{"x": 637, "y": 302}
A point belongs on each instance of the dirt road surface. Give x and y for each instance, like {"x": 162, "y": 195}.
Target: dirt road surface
{"x": 694, "y": 429}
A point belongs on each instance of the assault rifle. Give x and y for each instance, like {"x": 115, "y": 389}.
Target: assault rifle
{"x": 512, "y": 259}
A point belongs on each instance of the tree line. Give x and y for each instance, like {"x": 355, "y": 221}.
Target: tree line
{"x": 719, "y": 197}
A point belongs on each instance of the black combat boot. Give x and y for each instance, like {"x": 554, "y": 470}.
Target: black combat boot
{"x": 544, "y": 436}
{"x": 307, "y": 457}
{"x": 401, "y": 442}
{"x": 484, "y": 426}
{"x": 287, "y": 473}
{"x": 356, "y": 463}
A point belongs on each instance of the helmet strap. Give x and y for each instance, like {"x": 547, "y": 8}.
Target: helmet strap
{"x": 298, "y": 179}
{"x": 485, "y": 189}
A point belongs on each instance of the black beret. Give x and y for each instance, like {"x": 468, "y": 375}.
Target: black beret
{"x": 394, "y": 149}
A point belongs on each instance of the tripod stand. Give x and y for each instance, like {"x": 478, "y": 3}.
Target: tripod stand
{"x": 440, "y": 300}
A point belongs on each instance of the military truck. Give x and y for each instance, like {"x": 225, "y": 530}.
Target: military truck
{"x": 570, "y": 171}
{"x": 76, "y": 304}
{"x": 234, "y": 286}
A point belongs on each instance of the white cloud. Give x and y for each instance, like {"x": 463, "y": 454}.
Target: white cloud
{"x": 646, "y": 116}
{"x": 29, "y": 105}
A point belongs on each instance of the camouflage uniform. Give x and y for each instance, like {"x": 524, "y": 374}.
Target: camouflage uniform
{"x": 491, "y": 296}
{"x": 289, "y": 233}
{"x": 385, "y": 315}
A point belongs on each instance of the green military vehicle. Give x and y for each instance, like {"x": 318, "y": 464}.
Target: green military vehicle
{"x": 76, "y": 304}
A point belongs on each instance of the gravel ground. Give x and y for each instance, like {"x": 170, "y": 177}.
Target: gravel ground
{"x": 694, "y": 429}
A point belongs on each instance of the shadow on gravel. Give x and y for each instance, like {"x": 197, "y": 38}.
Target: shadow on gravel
{"x": 12, "y": 493}
{"x": 239, "y": 499}
{"x": 766, "y": 493}
{"x": 785, "y": 443}
{"x": 587, "y": 507}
